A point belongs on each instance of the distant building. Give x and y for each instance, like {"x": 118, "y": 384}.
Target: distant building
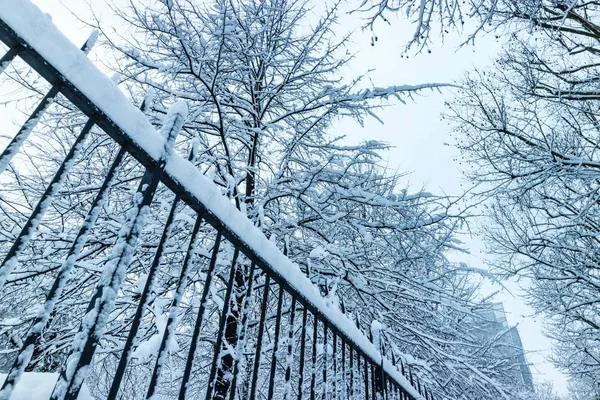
{"x": 509, "y": 340}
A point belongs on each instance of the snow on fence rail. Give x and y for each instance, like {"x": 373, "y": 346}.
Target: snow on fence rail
{"x": 31, "y": 35}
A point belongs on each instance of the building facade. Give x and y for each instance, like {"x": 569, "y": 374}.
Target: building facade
{"x": 506, "y": 339}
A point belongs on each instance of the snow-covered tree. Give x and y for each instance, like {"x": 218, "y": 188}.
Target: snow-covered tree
{"x": 264, "y": 81}
{"x": 264, "y": 89}
{"x": 529, "y": 129}
{"x": 434, "y": 19}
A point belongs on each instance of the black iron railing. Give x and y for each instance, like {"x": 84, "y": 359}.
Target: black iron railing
{"x": 257, "y": 329}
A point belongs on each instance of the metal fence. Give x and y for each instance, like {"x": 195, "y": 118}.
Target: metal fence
{"x": 265, "y": 338}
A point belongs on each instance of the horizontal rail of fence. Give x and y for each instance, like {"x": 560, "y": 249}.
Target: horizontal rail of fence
{"x": 271, "y": 334}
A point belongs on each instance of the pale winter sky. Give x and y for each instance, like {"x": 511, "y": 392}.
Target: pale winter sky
{"x": 415, "y": 129}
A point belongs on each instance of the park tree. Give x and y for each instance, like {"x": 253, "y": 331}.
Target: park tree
{"x": 528, "y": 129}
{"x": 264, "y": 81}
{"x": 264, "y": 91}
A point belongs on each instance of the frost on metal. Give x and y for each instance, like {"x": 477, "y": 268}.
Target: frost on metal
{"x": 94, "y": 322}
{"x": 30, "y": 227}
{"x": 38, "y": 30}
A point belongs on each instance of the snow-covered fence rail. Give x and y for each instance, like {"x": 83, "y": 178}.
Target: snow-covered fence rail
{"x": 240, "y": 320}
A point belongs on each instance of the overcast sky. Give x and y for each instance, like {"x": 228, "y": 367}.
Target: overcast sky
{"x": 415, "y": 130}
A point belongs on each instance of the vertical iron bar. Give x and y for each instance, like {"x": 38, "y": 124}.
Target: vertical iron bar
{"x": 324, "y": 392}
{"x": 189, "y": 362}
{"x": 30, "y": 227}
{"x": 351, "y": 355}
{"x": 335, "y": 374}
{"x": 366, "y": 378}
{"x": 169, "y": 332}
{"x": 380, "y": 381}
{"x": 242, "y": 333}
{"x": 344, "y": 380}
{"x": 64, "y": 272}
{"x": 9, "y": 56}
{"x": 261, "y": 328}
{"x": 302, "y": 351}
{"x": 275, "y": 342}
{"x": 373, "y": 383}
{"x": 372, "y": 368}
{"x": 142, "y": 304}
{"x": 15, "y": 144}
{"x": 144, "y": 300}
{"x": 314, "y": 358}
{"x": 92, "y": 325}
{"x": 358, "y": 372}
{"x": 290, "y": 349}
{"x": 76, "y": 367}
{"x": 222, "y": 323}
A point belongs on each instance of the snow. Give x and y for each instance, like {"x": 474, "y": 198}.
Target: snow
{"x": 179, "y": 108}
{"x": 376, "y": 328}
{"x": 168, "y": 338}
{"x": 209, "y": 195}
{"x": 30, "y": 227}
{"x": 37, "y": 29}
{"x": 39, "y": 385}
{"x": 34, "y": 27}
{"x": 184, "y": 217}
{"x": 11, "y": 321}
{"x": 149, "y": 348}
{"x": 317, "y": 252}
{"x": 64, "y": 272}
{"x": 94, "y": 322}
{"x": 89, "y": 44}
{"x": 15, "y": 145}
{"x": 5, "y": 64}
